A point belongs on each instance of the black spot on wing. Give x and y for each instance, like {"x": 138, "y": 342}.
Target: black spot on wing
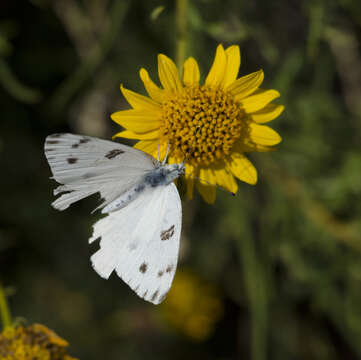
{"x": 143, "y": 268}
{"x": 145, "y": 294}
{"x": 88, "y": 175}
{"x": 154, "y": 296}
{"x": 160, "y": 273}
{"x": 52, "y": 142}
{"x": 71, "y": 160}
{"x": 81, "y": 141}
{"x": 113, "y": 153}
{"x": 169, "y": 268}
{"x": 161, "y": 298}
{"x": 167, "y": 234}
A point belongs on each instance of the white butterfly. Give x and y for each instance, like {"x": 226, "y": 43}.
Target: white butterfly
{"x": 139, "y": 237}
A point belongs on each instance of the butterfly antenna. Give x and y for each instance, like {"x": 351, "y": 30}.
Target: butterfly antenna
{"x": 158, "y": 153}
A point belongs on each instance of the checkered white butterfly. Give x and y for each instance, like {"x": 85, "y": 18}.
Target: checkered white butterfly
{"x": 139, "y": 237}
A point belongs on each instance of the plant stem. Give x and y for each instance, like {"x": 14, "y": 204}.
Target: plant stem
{"x": 181, "y": 32}
{"x": 256, "y": 289}
{"x": 4, "y": 309}
{"x": 15, "y": 88}
{"x": 257, "y": 297}
{"x": 71, "y": 85}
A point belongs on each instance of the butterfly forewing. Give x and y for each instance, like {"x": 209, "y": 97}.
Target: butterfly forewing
{"x": 86, "y": 165}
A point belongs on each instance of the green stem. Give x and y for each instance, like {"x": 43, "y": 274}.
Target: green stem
{"x": 4, "y": 309}
{"x": 257, "y": 296}
{"x": 71, "y": 85}
{"x": 255, "y": 285}
{"x": 15, "y": 88}
{"x": 181, "y": 28}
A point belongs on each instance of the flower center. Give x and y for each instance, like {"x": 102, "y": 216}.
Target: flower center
{"x": 203, "y": 122}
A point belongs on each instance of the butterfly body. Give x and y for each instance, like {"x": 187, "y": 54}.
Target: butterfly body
{"x": 162, "y": 175}
{"x": 139, "y": 236}
{"x": 124, "y": 199}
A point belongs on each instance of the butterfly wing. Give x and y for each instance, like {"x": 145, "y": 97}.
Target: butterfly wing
{"x": 86, "y": 165}
{"x": 141, "y": 242}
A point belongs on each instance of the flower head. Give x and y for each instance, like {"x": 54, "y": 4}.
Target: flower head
{"x": 211, "y": 125}
{"x": 192, "y": 306}
{"x": 32, "y": 342}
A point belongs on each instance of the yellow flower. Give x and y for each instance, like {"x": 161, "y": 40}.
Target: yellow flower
{"x": 192, "y": 306}
{"x": 32, "y": 342}
{"x": 211, "y": 125}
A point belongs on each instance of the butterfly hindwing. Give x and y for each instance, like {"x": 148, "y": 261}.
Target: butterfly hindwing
{"x": 141, "y": 242}
{"x": 85, "y": 165}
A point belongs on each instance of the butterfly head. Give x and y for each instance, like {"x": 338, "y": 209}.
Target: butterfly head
{"x": 164, "y": 174}
{"x": 175, "y": 170}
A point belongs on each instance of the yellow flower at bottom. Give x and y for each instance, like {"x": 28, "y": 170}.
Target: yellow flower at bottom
{"x": 192, "y": 306}
{"x": 212, "y": 125}
{"x": 32, "y": 342}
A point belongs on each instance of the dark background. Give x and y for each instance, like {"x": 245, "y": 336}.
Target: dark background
{"x": 275, "y": 273}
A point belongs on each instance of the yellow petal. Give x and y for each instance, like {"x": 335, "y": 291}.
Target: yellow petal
{"x": 151, "y": 147}
{"x": 249, "y": 146}
{"x": 216, "y": 74}
{"x": 189, "y": 176}
{"x": 137, "y": 121}
{"x": 153, "y": 90}
{"x": 242, "y": 168}
{"x": 173, "y": 160}
{"x": 207, "y": 191}
{"x": 233, "y": 63}
{"x": 268, "y": 113}
{"x": 246, "y": 85}
{"x": 140, "y": 102}
{"x": 168, "y": 74}
{"x": 191, "y": 73}
{"x": 226, "y": 180}
{"x": 190, "y": 171}
{"x": 263, "y": 135}
{"x": 151, "y": 135}
{"x": 259, "y": 101}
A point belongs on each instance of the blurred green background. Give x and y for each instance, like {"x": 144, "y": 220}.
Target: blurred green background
{"x": 274, "y": 273}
